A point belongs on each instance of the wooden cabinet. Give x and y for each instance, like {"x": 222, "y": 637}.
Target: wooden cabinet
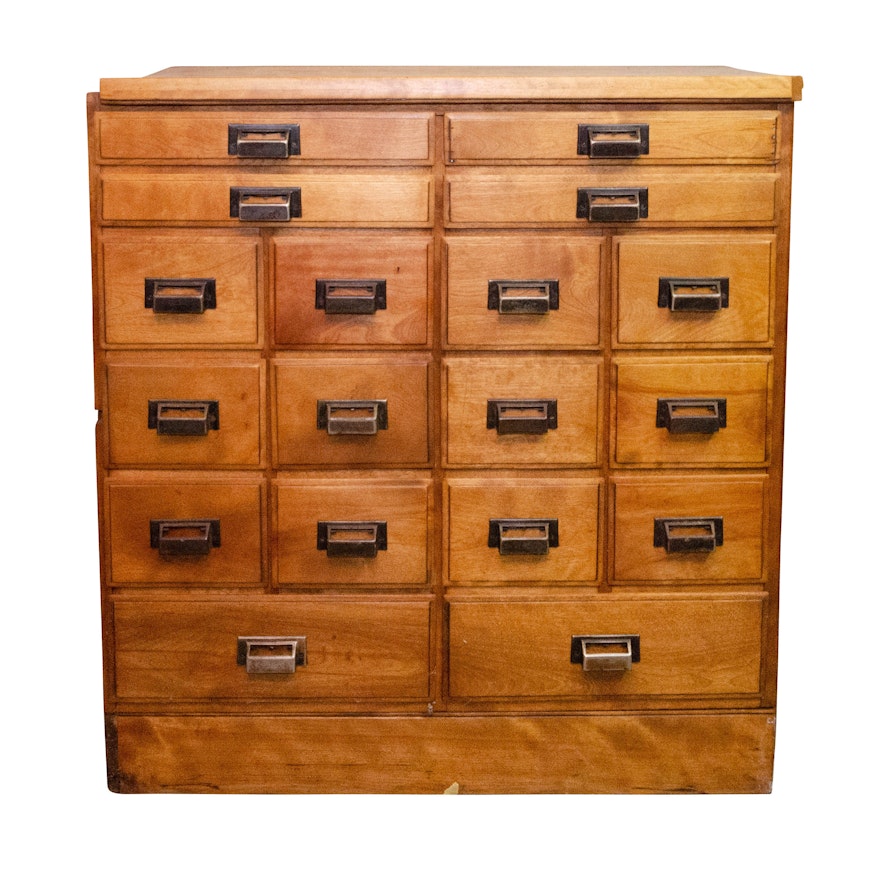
{"x": 440, "y": 433}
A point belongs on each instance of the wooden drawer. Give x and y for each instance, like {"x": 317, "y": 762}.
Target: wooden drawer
{"x": 694, "y": 290}
{"x": 743, "y": 136}
{"x": 169, "y": 136}
{"x": 351, "y": 529}
{"x": 515, "y": 291}
{"x": 688, "y": 529}
{"x": 686, "y": 646}
{"x": 194, "y": 288}
{"x": 189, "y": 651}
{"x": 319, "y": 420}
{"x": 349, "y": 290}
{"x": 163, "y": 410}
{"x": 691, "y": 411}
{"x": 537, "y": 410}
{"x": 365, "y": 198}
{"x": 554, "y": 537}
{"x": 184, "y": 528}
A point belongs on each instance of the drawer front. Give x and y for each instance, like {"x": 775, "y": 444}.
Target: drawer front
{"x": 352, "y": 649}
{"x": 688, "y": 529}
{"x": 694, "y": 290}
{"x": 691, "y": 411}
{"x": 298, "y": 199}
{"x": 245, "y": 136}
{"x": 181, "y": 289}
{"x": 166, "y": 412}
{"x": 351, "y": 530}
{"x": 343, "y": 290}
{"x": 356, "y": 410}
{"x": 613, "y": 136}
{"x": 681, "y": 647}
{"x": 515, "y": 291}
{"x": 540, "y": 410}
{"x": 185, "y": 528}
{"x": 522, "y": 529}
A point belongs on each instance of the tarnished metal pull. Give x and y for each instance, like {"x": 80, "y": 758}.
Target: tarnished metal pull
{"x": 612, "y": 205}
{"x": 689, "y": 534}
{"x": 352, "y": 416}
{"x": 693, "y": 294}
{"x": 605, "y": 653}
{"x": 180, "y": 296}
{"x": 362, "y": 296}
{"x": 523, "y": 537}
{"x": 184, "y": 537}
{"x": 272, "y": 655}
{"x": 363, "y": 539}
{"x": 265, "y": 203}
{"x": 523, "y": 297}
{"x": 264, "y": 141}
{"x": 692, "y": 415}
{"x": 612, "y": 141}
{"x": 183, "y": 418}
{"x": 521, "y": 416}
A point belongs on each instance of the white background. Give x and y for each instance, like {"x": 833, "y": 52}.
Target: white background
{"x": 59, "y": 816}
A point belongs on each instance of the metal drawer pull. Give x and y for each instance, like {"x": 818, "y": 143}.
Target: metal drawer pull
{"x": 689, "y": 534}
{"x": 523, "y": 297}
{"x": 352, "y": 416}
{"x": 615, "y": 653}
{"x": 184, "y": 537}
{"x": 263, "y": 141}
{"x": 183, "y": 418}
{"x": 523, "y": 537}
{"x": 521, "y": 416}
{"x": 692, "y": 415}
{"x": 180, "y": 296}
{"x": 693, "y": 294}
{"x": 612, "y": 141}
{"x": 350, "y": 297}
{"x": 363, "y": 539}
{"x": 615, "y": 205}
{"x": 271, "y": 655}
{"x": 265, "y": 203}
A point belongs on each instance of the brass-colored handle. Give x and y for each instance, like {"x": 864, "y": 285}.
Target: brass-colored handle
{"x": 689, "y": 534}
{"x": 521, "y": 416}
{"x": 523, "y": 297}
{"x": 184, "y": 537}
{"x": 360, "y": 296}
{"x": 625, "y": 141}
{"x": 180, "y": 296}
{"x": 693, "y": 294}
{"x": 361, "y": 539}
{"x": 272, "y": 655}
{"x": 352, "y": 416}
{"x": 265, "y": 203}
{"x": 605, "y": 653}
{"x": 523, "y": 537}
{"x": 692, "y": 415}
{"x": 183, "y": 418}
{"x": 612, "y": 205}
{"x": 264, "y": 141}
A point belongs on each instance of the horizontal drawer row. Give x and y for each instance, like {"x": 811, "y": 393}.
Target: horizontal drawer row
{"x": 300, "y": 649}
{"x": 502, "y": 291}
{"x": 498, "y": 411}
{"x": 351, "y": 530}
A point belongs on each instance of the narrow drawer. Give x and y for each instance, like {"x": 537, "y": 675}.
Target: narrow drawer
{"x": 166, "y": 411}
{"x": 666, "y": 648}
{"x": 165, "y": 289}
{"x": 601, "y": 136}
{"x": 704, "y": 290}
{"x": 536, "y": 410}
{"x": 513, "y": 291}
{"x": 526, "y": 528}
{"x": 691, "y": 411}
{"x": 351, "y": 289}
{"x": 350, "y": 529}
{"x": 346, "y": 649}
{"x": 247, "y": 136}
{"x": 688, "y": 529}
{"x": 354, "y": 410}
{"x": 184, "y": 528}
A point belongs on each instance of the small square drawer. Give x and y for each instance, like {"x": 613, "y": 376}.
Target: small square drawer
{"x": 355, "y": 410}
{"x": 522, "y": 528}
{"x": 536, "y": 410}
{"x": 691, "y": 411}
{"x": 201, "y": 529}
{"x": 283, "y": 648}
{"x": 513, "y": 291}
{"x": 177, "y": 289}
{"x": 358, "y": 290}
{"x": 351, "y": 529}
{"x": 688, "y": 529}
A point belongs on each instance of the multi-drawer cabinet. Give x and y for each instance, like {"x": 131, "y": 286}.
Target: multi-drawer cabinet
{"x": 440, "y": 427}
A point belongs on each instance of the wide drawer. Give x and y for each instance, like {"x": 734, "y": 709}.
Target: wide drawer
{"x": 177, "y": 288}
{"x": 691, "y": 411}
{"x": 171, "y": 410}
{"x": 536, "y": 410}
{"x": 669, "y": 647}
{"x": 354, "y": 410}
{"x": 514, "y": 291}
{"x": 184, "y": 528}
{"x": 343, "y": 290}
{"x": 602, "y": 136}
{"x": 688, "y": 529}
{"x": 690, "y": 290}
{"x": 350, "y": 529}
{"x": 523, "y": 528}
{"x": 345, "y": 649}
